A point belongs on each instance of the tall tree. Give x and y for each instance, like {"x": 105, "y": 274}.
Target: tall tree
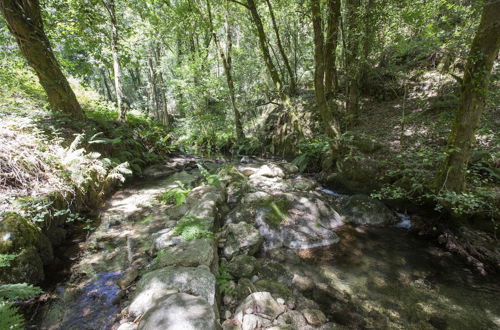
{"x": 286, "y": 62}
{"x": 353, "y": 60}
{"x": 24, "y": 21}
{"x": 330, "y": 124}
{"x": 483, "y": 51}
{"x": 227, "y": 64}
{"x": 117, "y": 70}
{"x": 332, "y": 32}
{"x": 263, "y": 42}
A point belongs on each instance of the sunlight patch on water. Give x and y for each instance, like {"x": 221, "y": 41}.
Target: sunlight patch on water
{"x": 405, "y": 221}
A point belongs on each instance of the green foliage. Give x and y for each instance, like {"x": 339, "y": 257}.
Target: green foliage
{"x": 311, "y": 153}
{"x": 212, "y": 179}
{"x": 9, "y": 315}
{"x": 223, "y": 280}
{"x": 191, "y": 227}
{"x": 5, "y": 259}
{"x": 176, "y": 195}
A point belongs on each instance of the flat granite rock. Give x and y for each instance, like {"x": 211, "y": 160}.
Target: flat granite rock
{"x": 188, "y": 253}
{"x": 169, "y": 280}
{"x": 180, "y": 311}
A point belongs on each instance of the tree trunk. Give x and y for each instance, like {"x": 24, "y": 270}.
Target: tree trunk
{"x": 122, "y": 108}
{"x": 106, "y": 85}
{"x": 264, "y": 45}
{"x": 227, "y": 64}
{"x": 25, "y": 23}
{"x": 153, "y": 88}
{"x": 161, "y": 87}
{"x": 352, "y": 62}
{"x": 483, "y": 51}
{"x": 332, "y": 32}
{"x": 329, "y": 123}
{"x": 293, "y": 85}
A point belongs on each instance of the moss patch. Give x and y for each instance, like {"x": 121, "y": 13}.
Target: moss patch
{"x": 276, "y": 210}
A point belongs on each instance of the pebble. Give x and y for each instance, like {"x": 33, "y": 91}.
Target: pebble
{"x": 255, "y": 278}
{"x": 227, "y": 314}
{"x": 280, "y": 301}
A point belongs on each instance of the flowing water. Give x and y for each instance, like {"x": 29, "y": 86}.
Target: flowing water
{"x": 392, "y": 279}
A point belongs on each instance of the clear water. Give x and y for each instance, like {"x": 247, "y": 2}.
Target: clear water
{"x": 398, "y": 281}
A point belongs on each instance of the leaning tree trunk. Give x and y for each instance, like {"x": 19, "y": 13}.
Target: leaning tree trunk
{"x": 483, "y": 51}
{"x": 264, "y": 45}
{"x": 332, "y": 32}
{"x": 227, "y": 64}
{"x": 25, "y": 23}
{"x": 293, "y": 84}
{"x": 330, "y": 125}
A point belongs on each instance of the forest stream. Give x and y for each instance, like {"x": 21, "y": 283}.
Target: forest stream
{"x": 290, "y": 254}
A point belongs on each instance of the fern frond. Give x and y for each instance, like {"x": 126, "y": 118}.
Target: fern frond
{"x": 18, "y": 291}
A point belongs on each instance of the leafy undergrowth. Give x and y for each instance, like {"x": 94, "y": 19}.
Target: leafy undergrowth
{"x": 413, "y": 134}
{"x": 41, "y": 151}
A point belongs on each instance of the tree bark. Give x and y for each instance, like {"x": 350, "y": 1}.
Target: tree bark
{"x": 24, "y": 21}
{"x": 122, "y": 108}
{"x": 293, "y": 84}
{"x": 352, "y": 63}
{"x": 106, "y": 85}
{"x": 484, "y": 49}
{"x": 332, "y": 32}
{"x": 264, "y": 45}
{"x": 227, "y": 64}
{"x": 330, "y": 124}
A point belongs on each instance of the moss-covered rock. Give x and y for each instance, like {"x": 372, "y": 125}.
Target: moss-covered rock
{"x": 16, "y": 233}
{"x": 27, "y": 267}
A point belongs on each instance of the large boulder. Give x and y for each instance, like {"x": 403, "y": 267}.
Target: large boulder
{"x": 241, "y": 238}
{"x": 363, "y": 210}
{"x": 159, "y": 283}
{"x": 296, "y": 221}
{"x": 27, "y": 267}
{"x": 188, "y": 253}
{"x": 180, "y": 311}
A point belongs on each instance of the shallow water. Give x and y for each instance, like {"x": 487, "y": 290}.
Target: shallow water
{"x": 399, "y": 281}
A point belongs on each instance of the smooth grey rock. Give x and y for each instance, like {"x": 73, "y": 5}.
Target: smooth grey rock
{"x": 363, "y": 210}
{"x": 314, "y": 316}
{"x": 254, "y": 196}
{"x": 303, "y": 184}
{"x": 127, "y": 326}
{"x": 188, "y": 253}
{"x": 293, "y": 318}
{"x": 203, "y": 201}
{"x": 127, "y": 278}
{"x": 252, "y": 322}
{"x": 241, "y": 266}
{"x": 180, "y": 311}
{"x": 165, "y": 238}
{"x": 270, "y": 171}
{"x": 241, "y": 238}
{"x": 263, "y": 302}
{"x": 162, "y": 282}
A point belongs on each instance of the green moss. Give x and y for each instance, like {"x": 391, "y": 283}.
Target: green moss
{"x": 17, "y": 233}
{"x": 274, "y": 288}
{"x": 276, "y": 210}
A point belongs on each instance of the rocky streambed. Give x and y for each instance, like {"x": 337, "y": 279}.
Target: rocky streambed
{"x": 256, "y": 245}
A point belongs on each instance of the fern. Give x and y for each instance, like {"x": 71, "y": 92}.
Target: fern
{"x": 5, "y": 259}
{"x": 177, "y": 195}
{"x": 10, "y": 317}
{"x": 191, "y": 227}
